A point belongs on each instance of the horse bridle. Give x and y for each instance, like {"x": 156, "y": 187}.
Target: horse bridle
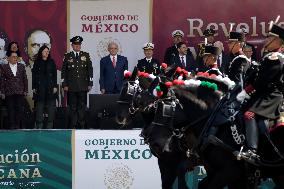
{"x": 132, "y": 88}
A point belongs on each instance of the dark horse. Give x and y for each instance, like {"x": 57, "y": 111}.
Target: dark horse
{"x": 219, "y": 150}
{"x": 195, "y": 106}
{"x": 138, "y": 98}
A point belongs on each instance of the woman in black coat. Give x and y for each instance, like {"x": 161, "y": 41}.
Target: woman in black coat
{"x": 44, "y": 87}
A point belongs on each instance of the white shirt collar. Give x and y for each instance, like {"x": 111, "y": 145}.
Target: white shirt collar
{"x": 115, "y": 56}
{"x": 150, "y": 59}
{"x": 13, "y": 68}
{"x": 76, "y": 52}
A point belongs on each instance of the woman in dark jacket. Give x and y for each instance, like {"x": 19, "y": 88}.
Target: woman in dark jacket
{"x": 44, "y": 87}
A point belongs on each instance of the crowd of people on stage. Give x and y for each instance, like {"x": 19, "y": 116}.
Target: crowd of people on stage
{"x": 77, "y": 72}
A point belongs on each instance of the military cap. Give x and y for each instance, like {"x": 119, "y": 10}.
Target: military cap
{"x": 210, "y": 49}
{"x": 243, "y": 30}
{"x": 177, "y": 33}
{"x": 209, "y": 32}
{"x": 76, "y": 39}
{"x": 148, "y": 46}
{"x": 276, "y": 31}
{"x": 237, "y": 36}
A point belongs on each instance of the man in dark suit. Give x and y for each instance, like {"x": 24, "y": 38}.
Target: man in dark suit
{"x": 173, "y": 51}
{"x": 112, "y": 69}
{"x": 184, "y": 59}
{"x": 14, "y": 86}
{"x": 222, "y": 59}
{"x": 149, "y": 64}
{"x": 77, "y": 80}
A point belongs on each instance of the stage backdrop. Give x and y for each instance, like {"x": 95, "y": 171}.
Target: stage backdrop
{"x": 193, "y": 17}
{"x": 32, "y": 25}
{"x": 126, "y": 22}
{"x": 45, "y": 19}
{"x": 114, "y": 159}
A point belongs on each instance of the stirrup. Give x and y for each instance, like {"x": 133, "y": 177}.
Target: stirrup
{"x": 248, "y": 155}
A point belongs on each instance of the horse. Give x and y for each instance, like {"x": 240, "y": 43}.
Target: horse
{"x": 219, "y": 153}
{"x": 136, "y": 97}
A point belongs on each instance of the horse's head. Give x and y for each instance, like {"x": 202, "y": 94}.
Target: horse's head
{"x": 160, "y": 133}
{"x": 129, "y": 88}
{"x": 135, "y": 97}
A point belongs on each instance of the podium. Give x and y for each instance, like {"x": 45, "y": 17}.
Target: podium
{"x": 103, "y": 109}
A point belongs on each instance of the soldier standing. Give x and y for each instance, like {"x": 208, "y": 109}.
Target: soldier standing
{"x": 172, "y": 51}
{"x": 149, "y": 64}
{"x": 77, "y": 80}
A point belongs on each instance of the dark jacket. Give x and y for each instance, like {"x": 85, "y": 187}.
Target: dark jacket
{"x": 110, "y": 76}
{"x": 224, "y": 63}
{"x": 238, "y": 67}
{"x": 44, "y": 79}
{"x": 77, "y": 74}
{"x": 10, "y": 84}
{"x": 152, "y": 67}
{"x": 170, "y": 53}
{"x": 190, "y": 62}
{"x": 266, "y": 89}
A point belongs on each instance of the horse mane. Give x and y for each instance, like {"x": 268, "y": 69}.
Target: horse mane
{"x": 204, "y": 98}
{"x": 145, "y": 82}
{"x": 189, "y": 94}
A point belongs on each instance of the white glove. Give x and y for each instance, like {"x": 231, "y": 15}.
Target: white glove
{"x": 242, "y": 96}
{"x": 54, "y": 90}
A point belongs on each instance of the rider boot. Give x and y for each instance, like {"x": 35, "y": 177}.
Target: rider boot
{"x": 252, "y": 134}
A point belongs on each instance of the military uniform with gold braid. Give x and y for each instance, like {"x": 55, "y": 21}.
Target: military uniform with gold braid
{"x": 77, "y": 75}
{"x": 149, "y": 65}
{"x": 172, "y": 51}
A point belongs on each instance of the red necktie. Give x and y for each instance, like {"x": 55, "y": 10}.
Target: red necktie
{"x": 113, "y": 62}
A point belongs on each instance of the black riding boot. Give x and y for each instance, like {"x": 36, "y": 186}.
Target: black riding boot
{"x": 252, "y": 134}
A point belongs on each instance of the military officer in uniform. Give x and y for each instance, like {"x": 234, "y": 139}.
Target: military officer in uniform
{"x": 210, "y": 57}
{"x": 77, "y": 80}
{"x": 209, "y": 38}
{"x": 172, "y": 51}
{"x": 149, "y": 64}
{"x": 264, "y": 94}
{"x": 239, "y": 63}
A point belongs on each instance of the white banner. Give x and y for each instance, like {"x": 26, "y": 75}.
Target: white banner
{"x": 126, "y": 22}
{"x": 107, "y": 159}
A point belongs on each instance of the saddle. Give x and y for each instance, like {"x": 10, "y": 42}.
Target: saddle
{"x": 227, "y": 114}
